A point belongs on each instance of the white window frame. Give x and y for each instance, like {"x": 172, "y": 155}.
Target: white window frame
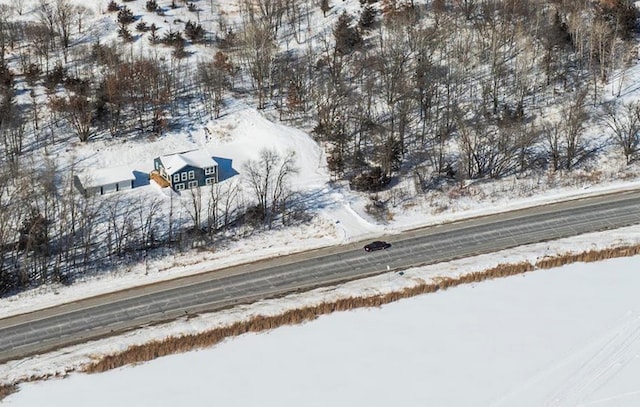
{"x": 209, "y": 171}
{"x": 192, "y": 174}
{"x": 210, "y": 181}
{"x": 176, "y": 177}
{"x": 193, "y": 184}
{"x": 184, "y": 176}
{"x": 179, "y": 187}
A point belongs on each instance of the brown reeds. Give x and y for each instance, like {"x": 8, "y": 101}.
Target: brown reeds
{"x": 587, "y": 257}
{"x": 7, "y": 389}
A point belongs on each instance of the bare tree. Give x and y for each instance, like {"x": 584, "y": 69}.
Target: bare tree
{"x": 624, "y": 122}
{"x": 145, "y": 86}
{"x": 268, "y": 13}
{"x": 230, "y": 202}
{"x": 148, "y": 214}
{"x": 258, "y": 53}
{"x": 222, "y": 205}
{"x": 13, "y": 135}
{"x": 268, "y": 179}
{"x": 552, "y": 136}
{"x": 77, "y": 111}
{"x": 89, "y": 210}
{"x": 113, "y": 96}
{"x": 194, "y": 208}
{"x": 47, "y": 15}
{"x": 64, "y": 18}
{"x": 467, "y": 7}
{"x": 392, "y": 68}
{"x": 120, "y": 221}
{"x": 82, "y": 12}
{"x": 38, "y": 36}
{"x": 215, "y": 80}
{"x": 5, "y": 12}
{"x": 574, "y": 118}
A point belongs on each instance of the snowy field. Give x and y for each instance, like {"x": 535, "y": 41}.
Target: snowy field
{"x": 553, "y": 338}
{"x": 561, "y": 337}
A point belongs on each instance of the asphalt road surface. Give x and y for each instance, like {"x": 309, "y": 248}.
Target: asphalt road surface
{"x": 109, "y": 314}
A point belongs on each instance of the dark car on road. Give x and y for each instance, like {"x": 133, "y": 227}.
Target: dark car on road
{"x": 377, "y": 245}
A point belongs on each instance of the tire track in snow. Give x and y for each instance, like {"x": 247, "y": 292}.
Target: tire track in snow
{"x": 604, "y": 364}
{"x": 531, "y": 392}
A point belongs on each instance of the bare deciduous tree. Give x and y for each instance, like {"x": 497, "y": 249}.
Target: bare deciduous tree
{"x": 215, "y": 80}
{"x": 268, "y": 179}
{"x": 624, "y": 123}
{"x": 82, "y": 12}
{"x": 574, "y": 118}
{"x": 258, "y": 54}
{"x": 77, "y": 111}
{"x": 223, "y": 198}
{"x": 47, "y": 15}
{"x": 64, "y": 18}
{"x": 194, "y": 208}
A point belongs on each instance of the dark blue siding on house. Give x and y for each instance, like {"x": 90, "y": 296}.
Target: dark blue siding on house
{"x": 188, "y": 176}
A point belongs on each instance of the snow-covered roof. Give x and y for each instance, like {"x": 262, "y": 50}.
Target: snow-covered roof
{"x": 194, "y": 158}
{"x": 104, "y": 176}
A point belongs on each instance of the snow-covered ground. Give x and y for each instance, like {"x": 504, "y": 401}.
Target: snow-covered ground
{"x": 486, "y": 357}
{"x": 561, "y": 337}
{"x": 339, "y": 215}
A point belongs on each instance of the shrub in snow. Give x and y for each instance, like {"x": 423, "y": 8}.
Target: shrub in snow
{"x": 113, "y": 6}
{"x": 372, "y": 180}
{"x": 125, "y": 16}
{"x": 152, "y": 5}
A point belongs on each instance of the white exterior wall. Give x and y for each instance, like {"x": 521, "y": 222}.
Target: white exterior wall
{"x": 105, "y": 181}
{"x": 92, "y": 191}
{"x": 108, "y": 188}
{"x": 122, "y": 185}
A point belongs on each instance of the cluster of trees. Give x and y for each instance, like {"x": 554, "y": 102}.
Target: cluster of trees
{"x": 485, "y": 89}
{"x": 450, "y": 89}
{"x": 50, "y": 233}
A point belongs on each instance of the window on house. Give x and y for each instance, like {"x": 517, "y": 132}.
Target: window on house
{"x": 176, "y": 177}
{"x": 193, "y": 184}
{"x": 209, "y": 171}
{"x": 210, "y": 181}
{"x": 179, "y": 187}
{"x": 192, "y": 174}
{"x": 184, "y": 176}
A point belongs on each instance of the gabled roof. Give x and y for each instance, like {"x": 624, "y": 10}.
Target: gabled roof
{"x": 104, "y": 176}
{"x": 195, "y": 158}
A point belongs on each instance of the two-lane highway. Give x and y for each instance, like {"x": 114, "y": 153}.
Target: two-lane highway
{"x": 105, "y": 315}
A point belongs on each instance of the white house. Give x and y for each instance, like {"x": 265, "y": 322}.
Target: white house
{"x": 105, "y": 180}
